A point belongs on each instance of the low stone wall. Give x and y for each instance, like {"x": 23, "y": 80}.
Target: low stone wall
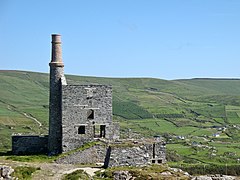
{"x": 114, "y": 131}
{"x": 24, "y": 145}
{"x": 92, "y": 155}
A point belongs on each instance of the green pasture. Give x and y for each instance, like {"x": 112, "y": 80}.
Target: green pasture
{"x": 195, "y": 108}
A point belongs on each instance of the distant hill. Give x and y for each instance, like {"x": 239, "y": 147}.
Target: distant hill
{"x": 191, "y": 108}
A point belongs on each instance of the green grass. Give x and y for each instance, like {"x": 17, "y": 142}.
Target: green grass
{"x": 191, "y": 108}
{"x": 46, "y": 158}
{"x": 203, "y": 169}
{"x": 31, "y": 158}
{"x": 129, "y": 110}
{"x": 180, "y": 149}
{"x": 148, "y": 172}
{"x": 24, "y": 172}
{"x": 76, "y": 175}
{"x": 160, "y": 126}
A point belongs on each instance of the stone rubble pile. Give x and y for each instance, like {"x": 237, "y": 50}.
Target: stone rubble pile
{"x": 122, "y": 175}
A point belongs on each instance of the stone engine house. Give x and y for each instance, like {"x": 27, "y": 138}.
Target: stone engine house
{"x": 79, "y": 114}
{"x": 86, "y": 115}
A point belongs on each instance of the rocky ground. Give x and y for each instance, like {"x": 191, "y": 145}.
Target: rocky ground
{"x": 172, "y": 174}
{"x": 53, "y": 171}
{"x": 47, "y": 171}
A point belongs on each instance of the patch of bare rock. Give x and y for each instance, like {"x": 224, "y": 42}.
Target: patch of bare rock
{"x": 5, "y": 173}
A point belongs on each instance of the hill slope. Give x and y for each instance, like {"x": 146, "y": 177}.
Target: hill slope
{"x": 186, "y": 112}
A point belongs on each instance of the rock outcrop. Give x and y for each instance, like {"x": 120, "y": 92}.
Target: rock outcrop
{"x": 5, "y": 172}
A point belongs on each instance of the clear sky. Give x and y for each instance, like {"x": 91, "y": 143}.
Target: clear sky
{"x": 167, "y": 39}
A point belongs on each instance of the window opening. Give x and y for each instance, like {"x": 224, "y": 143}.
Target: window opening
{"x": 90, "y": 114}
{"x": 154, "y": 153}
{"x": 89, "y": 92}
{"x": 81, "y": 130}
{"x": 102, "y": 131}
{"x": 99, "y": 131}
{"x": 96, "y": 131}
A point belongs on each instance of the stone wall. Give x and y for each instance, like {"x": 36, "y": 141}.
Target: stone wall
{"x": 23, "y": 145}
{"x": 114, "y": 131}
{"x": 137, "y": 155}
{"x": 92, "y": 155}
{"x": 86, "y": 115}
{"x": 119, "y": 154}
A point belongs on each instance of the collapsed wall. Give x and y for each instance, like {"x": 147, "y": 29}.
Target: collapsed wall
{"x": 122, "y": 153}
{"x": 136, "y": 155}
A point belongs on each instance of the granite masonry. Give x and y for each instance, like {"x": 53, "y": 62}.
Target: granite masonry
{"x": 29, "y": 144}
{"x": 86, "y": 115}
{"x": 80, "y": 115}
{"x": 119, "y": 153}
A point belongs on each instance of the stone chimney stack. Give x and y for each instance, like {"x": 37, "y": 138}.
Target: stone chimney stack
{"x": 56, "y": 50}
{"x": 55, "y": 110}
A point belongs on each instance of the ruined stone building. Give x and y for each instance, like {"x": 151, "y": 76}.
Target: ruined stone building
{"x": 77, "y": 113}
{"x": 80, "y": 114}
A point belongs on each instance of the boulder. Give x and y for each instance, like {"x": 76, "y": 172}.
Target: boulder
{"x": 5, "y": 172}
{"x": 122, "y": 175}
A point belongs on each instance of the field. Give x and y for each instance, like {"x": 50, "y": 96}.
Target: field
{"x": 199, "y": 118}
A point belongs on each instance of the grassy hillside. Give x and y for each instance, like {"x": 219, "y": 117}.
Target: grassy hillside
{"x": 198, "y": 117}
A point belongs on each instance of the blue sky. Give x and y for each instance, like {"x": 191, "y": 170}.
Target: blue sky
{"x": 167, "y": 39}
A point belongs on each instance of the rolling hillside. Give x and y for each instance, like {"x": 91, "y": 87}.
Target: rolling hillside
{"x": 196, "y": 116}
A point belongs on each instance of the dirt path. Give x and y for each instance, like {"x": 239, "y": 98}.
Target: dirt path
{"x": 13, "y": 108}
{"x": 30, "y": 117}
{"x": 89, "y": 170}
{"x": 50, "y": 171}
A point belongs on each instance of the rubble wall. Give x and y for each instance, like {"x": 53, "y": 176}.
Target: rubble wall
{"x": 24, "y": 145}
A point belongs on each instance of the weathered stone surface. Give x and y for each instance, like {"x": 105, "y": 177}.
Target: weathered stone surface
{"x": 115, "y": 155}
{"x": 122, "y": 175}
{"x": 5, "y": 172}
{"x": 29, "y": 144}
{"x": 55, "y": 110}
{"x": 137, "y": 155}
{"x": 86, "y": 115}
{"x": 93, "y": 155}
